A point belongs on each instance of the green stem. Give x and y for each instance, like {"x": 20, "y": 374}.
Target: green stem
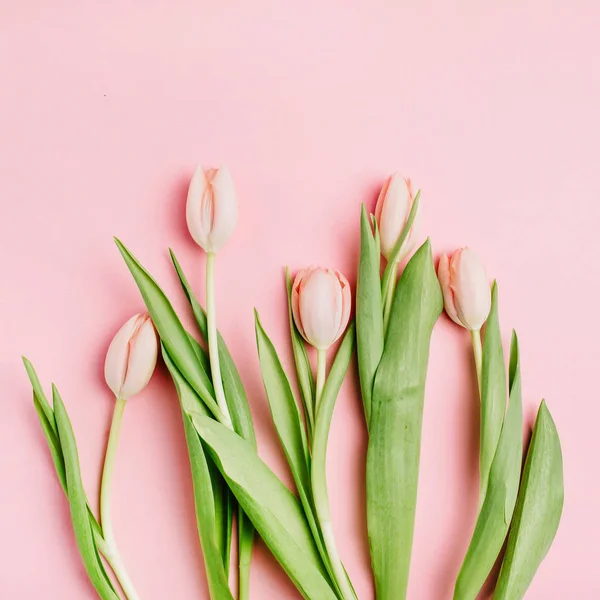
{"x": 478, "y": 353}
{"x": 109, "y": 548}
{"x": 321, "y": 376}
{"x": 319, "y": 485}
{"x": 213, "y": 342}
{"x": 389, "y": 296}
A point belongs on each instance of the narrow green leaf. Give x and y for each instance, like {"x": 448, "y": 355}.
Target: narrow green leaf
{"x": 237, "y": 401}
{"x": 369, "y": 311}
{"x": 538, "y": 510}
{"x": 496, "y": 512}
{"x": 275, "y": 512}
{"x": 171, "y": 331}
{"x": 245, "y": 545}
{"x": 46, "y": 417}
{"x": 204, "y": 497}
{"x": 289, "y": 426}
{"x": 392, "y": 264}
{"x": 306, "y": 380}
{"x": 396, "y": 419}
{"x": 78, "y": 503}
{"x": 493, "y": 392}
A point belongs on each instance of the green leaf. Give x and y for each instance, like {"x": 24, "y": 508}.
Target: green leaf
{"x": 237, "y": 401}
{"x": 46, "y": 417}
{"x": 288, "y": 423}
{"x": 172, "y": 333}
{"x": 275, "y": 512}
{"x": 396, "y": 419}
{"x": 538, "y": 510}
{"x": 392, "y": 264}
{"x": 493, "y": 392}
{"x": 78, "y": 503}
{"x": 306, "y": 380}
{"x": 204, "y": 497}
{"x": 369, "y": 311}
{"x": 497, "y": 509}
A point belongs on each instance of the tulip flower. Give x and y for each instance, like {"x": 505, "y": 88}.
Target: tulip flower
{"x": 467, "y": 295}
{"x": 211, "y": 210}
{"x": 211, "y": 214}
{"x": 392, "y": 211}
{"x": 131, "y": 357}
{"x": 321, "y": 305}
{"x": 130, "y": 363}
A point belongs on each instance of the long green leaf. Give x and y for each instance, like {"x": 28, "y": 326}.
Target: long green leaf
{"x": 306, "y": 380}
{"x": 538, "y": 510}
{"x": 493, "y": 393}
{"x": 241, "y": 418}
{"x": 288, "y": 423}
{"x": 48, "y": 423}
{"x": 396, "y": 419}
{"x": 171, "y": 331}
{"x": 78, "y": 503}
{"x": 496, "y": 513}
{"x": 204, "y": 497}
{"x": 235, "y": 394}
{"x": 275, "y": 512}
{"x": 369, "y": 311}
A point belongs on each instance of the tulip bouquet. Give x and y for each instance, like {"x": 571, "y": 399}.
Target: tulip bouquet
{"x": 237, "y": 495}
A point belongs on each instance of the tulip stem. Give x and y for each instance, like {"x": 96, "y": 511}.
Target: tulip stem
{"x": 389, "y": 296}
{"x": 321, "y": 376}
{"x": 213, "y": 341}
{"x": 109, "y": 549}
{"x": 478, "y": 354}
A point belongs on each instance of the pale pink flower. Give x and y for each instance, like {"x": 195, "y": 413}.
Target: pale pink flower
{"x": 321, "y": 304}
{"x": 212, "y": 209}
{"x": 131, "y": 357}
{"x": 466, "y": 288}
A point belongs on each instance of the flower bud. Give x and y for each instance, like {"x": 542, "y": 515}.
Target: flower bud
{"x": 392, "y": 211}
{"x": 321, "y": 304}
{"x": 467, "y": 296}
{"x": 211, "y": 210}
{"x": 131, "y": 357}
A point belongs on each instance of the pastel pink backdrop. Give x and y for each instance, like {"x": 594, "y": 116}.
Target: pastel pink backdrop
{"x": 105, "y": 109}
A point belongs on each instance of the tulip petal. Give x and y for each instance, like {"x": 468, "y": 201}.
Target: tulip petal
{"x": 115, "y": 367}
{"x": 143, "y": 352}
{"x": 444, "y": 277}
{"x": 197, "y": 195}
{"x": 225, "y": 209}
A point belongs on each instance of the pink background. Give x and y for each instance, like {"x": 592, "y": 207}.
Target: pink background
{"x": 105, "y": 109}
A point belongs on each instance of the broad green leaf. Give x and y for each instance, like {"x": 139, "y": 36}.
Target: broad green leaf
{"x": 369, "y": 311}
{"x": 493, "y": 392}
{"x": 306, "y": 380}
{"x": 396, "y": 419}
{"x": 204, "y": 498}
{"x": 497, "y": 509}
{"x": 275, "y": 512}
{"x": 392, "y": 265}
{"x": 538, "y": 510}
{"x": 171, "y": 331}
{"x": 78, "y": 503}
{"x": 319, "y": 457}
{"x": 235, "y": 394}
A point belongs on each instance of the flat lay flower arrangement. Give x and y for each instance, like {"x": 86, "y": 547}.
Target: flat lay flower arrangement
{"x": 388, "y": 325}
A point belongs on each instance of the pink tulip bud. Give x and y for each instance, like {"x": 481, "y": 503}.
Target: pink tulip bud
{"x": 212, "y": 209}
{"x": 393, "y": 208}
{"x": 466, "y": 288}
{"x": 131, "y": 357}
{"x": 321, "y": 305}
